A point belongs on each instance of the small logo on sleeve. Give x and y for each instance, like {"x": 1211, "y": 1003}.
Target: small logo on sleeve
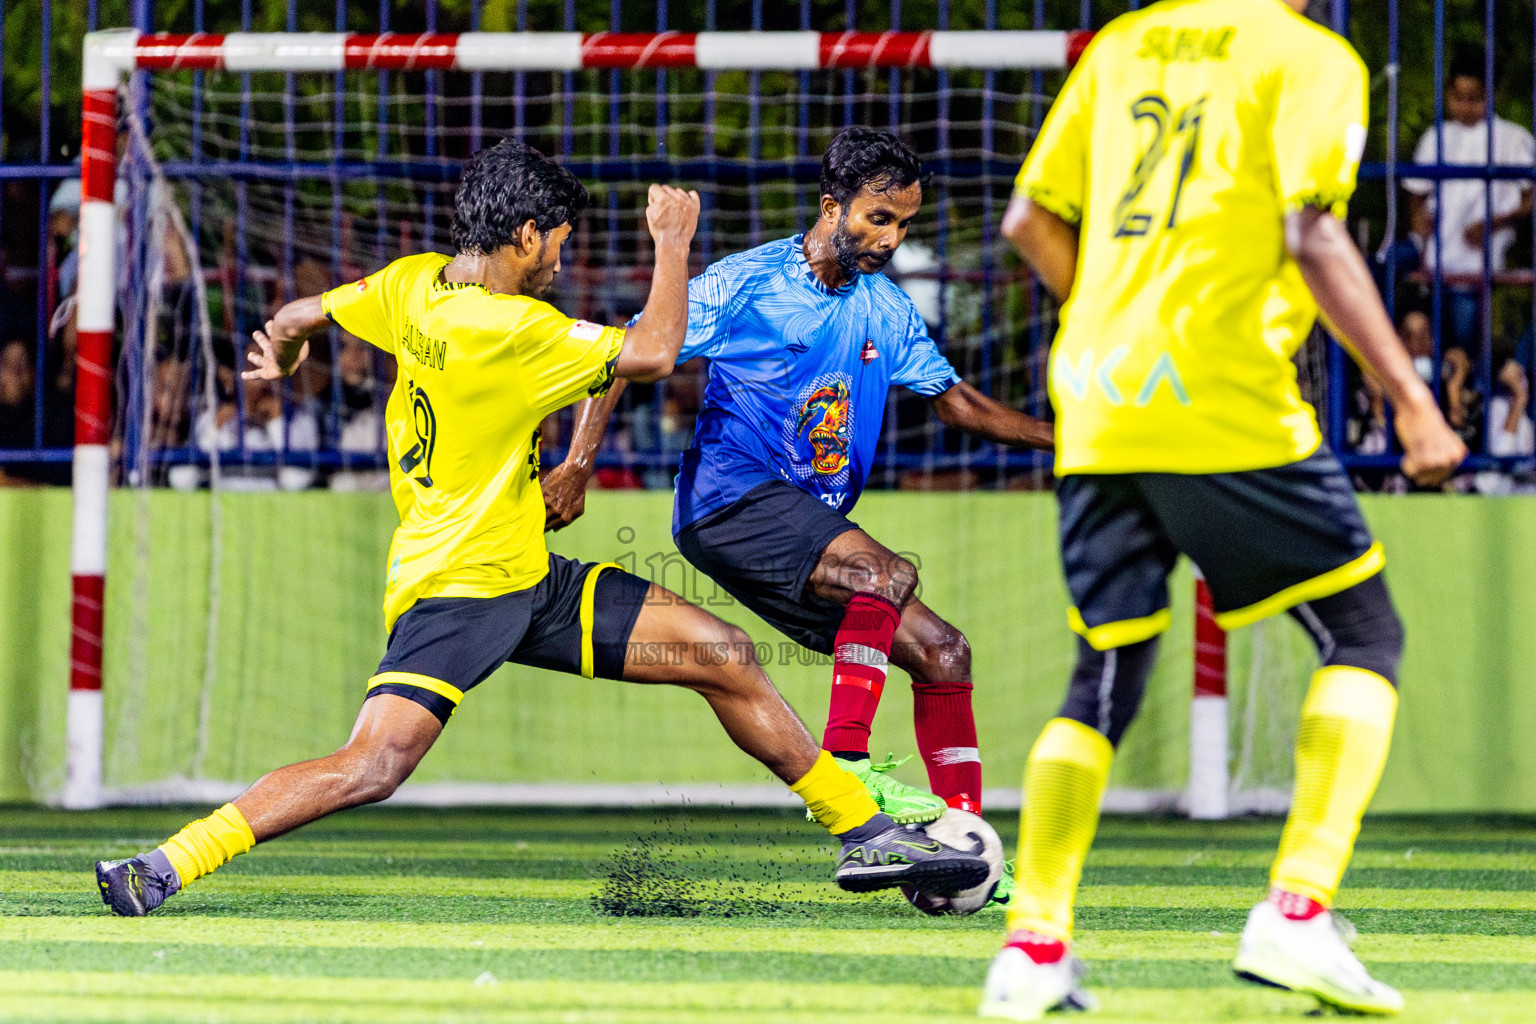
{"x": 1354, "y": 142}
{"x": 362, "y": 286}
{"x": 868, "y": 354}
{"x": 586, "y": 330}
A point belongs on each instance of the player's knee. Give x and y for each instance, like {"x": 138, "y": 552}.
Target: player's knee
{"x": 743, "y": 652}
{"x": 943, "y": 658}
{"x": 900, "y": 581}
{"x": 375, "y": 771}
{"x": 891, "y": 577}
{"x": 368, "y": 786}
{"x": 728, "y": 655}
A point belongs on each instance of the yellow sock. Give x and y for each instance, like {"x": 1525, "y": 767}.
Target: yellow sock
{"x": 836, "y": 798}
{"x": 1341, "y": 748}
{"x": 1063, "y": 784}
{"x": 208, "y": 842}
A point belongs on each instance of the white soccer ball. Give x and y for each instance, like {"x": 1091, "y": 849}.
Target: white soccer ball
{"x": 969, "y": 832}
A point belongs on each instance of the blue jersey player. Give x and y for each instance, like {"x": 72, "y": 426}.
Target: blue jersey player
{"x": 805, "y": 338}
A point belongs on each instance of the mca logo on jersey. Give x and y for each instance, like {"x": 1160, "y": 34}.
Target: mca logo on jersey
{"x": 868, "y": 353}
{"x": 823, "y": 423}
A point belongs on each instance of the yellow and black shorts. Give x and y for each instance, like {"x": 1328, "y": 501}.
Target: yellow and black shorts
{"x": 1266, "y": 540}
{"x": 577, "y": 619}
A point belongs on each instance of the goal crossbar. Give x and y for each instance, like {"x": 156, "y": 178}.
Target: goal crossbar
{"x": 120, "y": 51}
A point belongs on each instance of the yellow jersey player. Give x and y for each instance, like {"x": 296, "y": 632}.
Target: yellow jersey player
{"x": 1183, "y": 203}
{"x": 482, "y": 360}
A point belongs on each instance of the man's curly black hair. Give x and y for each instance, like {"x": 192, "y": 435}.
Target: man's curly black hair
{"x": 504, "y": 187}
{"x": 866, "y": 159}
{"x": 1468, "y": 60}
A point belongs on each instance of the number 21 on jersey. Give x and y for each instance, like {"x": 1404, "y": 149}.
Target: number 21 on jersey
{"x": 1171, "y": 129}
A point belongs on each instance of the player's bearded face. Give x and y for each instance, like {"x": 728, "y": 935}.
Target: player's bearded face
{"x": 871, "y": 226}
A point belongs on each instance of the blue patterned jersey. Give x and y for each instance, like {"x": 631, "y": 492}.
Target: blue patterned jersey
{"x": 798, "y": 377}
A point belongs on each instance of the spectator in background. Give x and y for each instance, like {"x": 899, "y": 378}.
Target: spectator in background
{"x": 1510, "y": 431}
{"x": 64, "y": 233}
{"x": 359, "y": 424}
{"x": 915, "y": 267}
{"x": 359, "y": 418}
{"x": 17, "y": 406}
{"x": 266, "y": 430}
{"x": 1462, "y": 206}
{"x": 1370, "y": 430}
{"x": 18, "y": 422}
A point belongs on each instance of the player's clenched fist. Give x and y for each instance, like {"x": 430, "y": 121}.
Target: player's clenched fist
{"x": 672, "y": 214}
{"x": 1431, "y": 450}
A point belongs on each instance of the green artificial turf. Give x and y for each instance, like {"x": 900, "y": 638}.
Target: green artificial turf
{"x": 444, "y": 916}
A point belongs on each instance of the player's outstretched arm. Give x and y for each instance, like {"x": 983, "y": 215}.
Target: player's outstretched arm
{"x": 965, "y": 408}
{"x": 565, "y": 486}
{"x": 1340, "y": 281}
{"x": 1047, "y": 243}
{"x": 284, "y": 344}
{"x": 649, "y": 353}
{"x": 651, "y": 346}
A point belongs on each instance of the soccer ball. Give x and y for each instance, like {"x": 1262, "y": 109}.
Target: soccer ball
{"x": 965, "y": 831}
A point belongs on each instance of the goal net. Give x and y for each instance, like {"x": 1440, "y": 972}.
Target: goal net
{"x": 247, "y": 550}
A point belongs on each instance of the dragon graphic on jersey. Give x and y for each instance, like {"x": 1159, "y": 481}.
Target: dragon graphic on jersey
{"x": 823, "y": 419}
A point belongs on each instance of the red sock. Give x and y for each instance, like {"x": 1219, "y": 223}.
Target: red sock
{"x": 860, "y": 656}
{"x": 1042, "y": 949}
{"x": 1295, "y": 906}
{"x": 946, "y": 737}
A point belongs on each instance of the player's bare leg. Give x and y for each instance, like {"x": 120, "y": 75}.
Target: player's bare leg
{"x": 679, "y": 643}
{"x": 878, "y": 587}
{"x": 676, "y": 642}
{"x": 672, "y": 641}
{"x": 389, "y": 738}
{"x": 854, "y": 563}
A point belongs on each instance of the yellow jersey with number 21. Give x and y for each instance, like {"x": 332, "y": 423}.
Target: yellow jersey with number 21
{"x": 1177, "y": 146}
{"x": 477, "y": 373}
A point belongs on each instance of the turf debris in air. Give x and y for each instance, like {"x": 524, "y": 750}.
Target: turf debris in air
{"x": 650, "y": 877}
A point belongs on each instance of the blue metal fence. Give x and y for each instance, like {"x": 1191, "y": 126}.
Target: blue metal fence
{"x": 755, "y": 150}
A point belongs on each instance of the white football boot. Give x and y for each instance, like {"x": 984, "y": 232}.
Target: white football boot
{"x": 1019, "y": 989}
{"x": 1311, "y": 956}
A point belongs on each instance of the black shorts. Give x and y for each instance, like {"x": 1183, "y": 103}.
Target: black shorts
{"x": 762, "y": 548}
{"x": 577, "y": 619}
{"x": 1265, "y": 540}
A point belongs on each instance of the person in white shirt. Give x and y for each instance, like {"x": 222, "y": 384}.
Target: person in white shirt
{"x": 267, "y": 429}
{"x": 1463, "y": 204}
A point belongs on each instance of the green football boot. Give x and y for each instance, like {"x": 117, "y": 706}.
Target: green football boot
{"x": 908, "y": 805}
{"x": 1002, "y": 896}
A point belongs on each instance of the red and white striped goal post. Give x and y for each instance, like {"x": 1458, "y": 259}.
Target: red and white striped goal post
{"x": 110, "y": 55}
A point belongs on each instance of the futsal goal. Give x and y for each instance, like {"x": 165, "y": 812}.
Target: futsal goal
{"x": 225, "y": 174}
